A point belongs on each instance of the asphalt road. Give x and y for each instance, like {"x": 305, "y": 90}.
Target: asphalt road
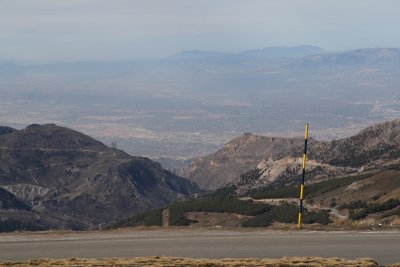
{"x": 381, "y": 246}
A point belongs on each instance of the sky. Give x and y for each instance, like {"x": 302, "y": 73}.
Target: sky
{"x": 106, "y": 30}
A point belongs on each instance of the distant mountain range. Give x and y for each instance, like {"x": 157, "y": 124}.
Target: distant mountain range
{"x": 253, "y": 54}
{"x": 368, "y": 56}
{"x": 286, "y": 57}
{"x": 55, "y": 177}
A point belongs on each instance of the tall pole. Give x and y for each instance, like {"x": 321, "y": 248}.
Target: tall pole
{"x": 303, "y": 176}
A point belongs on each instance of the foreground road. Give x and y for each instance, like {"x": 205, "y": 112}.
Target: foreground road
{"x": 384, "y": 247}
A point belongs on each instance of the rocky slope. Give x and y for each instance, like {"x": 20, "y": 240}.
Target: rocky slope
{"x": 55, "y": 177}
{"x": 237, "y": 157}
{"x": 373, "y": 147}
{"x": 278, "y": 160}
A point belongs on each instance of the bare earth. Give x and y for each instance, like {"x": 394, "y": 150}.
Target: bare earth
{"x": 126, "y": 244}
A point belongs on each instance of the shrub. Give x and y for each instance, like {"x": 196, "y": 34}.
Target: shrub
{"x": 210, "y": 204}
{"x": 358, "y": 204}
{"x": 286, "y": 214}
{"x": 321, "y": 217}
{"x": 374, "y": 208}
{"x": 311, "y": 190}
{"x": 287, "y": 191}
{"x": 150, "y": 218}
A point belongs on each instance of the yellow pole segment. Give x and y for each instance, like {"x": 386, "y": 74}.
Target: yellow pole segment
{"x": 306, "y": 132}
{"x": 304, "y": 161}
{"x": 299, "y": 221}
{"x": 302, "y": 191}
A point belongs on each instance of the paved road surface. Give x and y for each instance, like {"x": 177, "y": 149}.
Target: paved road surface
{"x": 382, "y": 246}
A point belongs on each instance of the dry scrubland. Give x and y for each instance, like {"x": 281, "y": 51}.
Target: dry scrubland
{"x": 175, "y": 262}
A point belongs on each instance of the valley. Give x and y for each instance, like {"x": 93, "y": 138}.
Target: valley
{"x": 190, "y": 104}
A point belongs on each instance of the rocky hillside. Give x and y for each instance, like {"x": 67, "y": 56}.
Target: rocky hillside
{"x": 237, "y": 157}
{"x": 278, "y": 160}
{"x": 55, "y": 177}
{"x": 373, "y": 147}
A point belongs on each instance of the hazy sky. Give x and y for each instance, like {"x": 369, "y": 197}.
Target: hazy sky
{"x": 125, "y": 29}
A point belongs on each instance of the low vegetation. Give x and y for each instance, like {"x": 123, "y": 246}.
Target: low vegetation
{"x": 227, "y": 191}
{"x": 394, "y": 212}
{"x": 181, "y": 262}
{"x": 11, "y": 225}
{"x": 365, "y": 209}
{"x": 287, "y": 214}
{"x": 263, "y": 214}
{"x": 284, "y": 214}
{"x": 177, "y": 211}
{"x": 225, "y": 200}
{"x": 321, "y": 217}
{"x": 353, "y": 205}
{"x": 310, "y": 190}
{"x": 151, "y": 218}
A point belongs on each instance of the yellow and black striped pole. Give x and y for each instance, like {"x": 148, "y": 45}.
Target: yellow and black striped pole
{"x": 303, "y": 176}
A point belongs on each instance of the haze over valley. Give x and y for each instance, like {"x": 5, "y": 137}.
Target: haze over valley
{"x": 191, "y": 103}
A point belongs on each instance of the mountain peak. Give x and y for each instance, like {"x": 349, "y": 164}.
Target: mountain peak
{"x": 50, "y": 136}
{"x": 71, "y": 180}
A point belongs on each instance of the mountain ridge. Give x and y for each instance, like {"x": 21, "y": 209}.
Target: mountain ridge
{"x": 374, "y": 147}
{"x": 72, "y": 181}
{"x": 354, "y": 57}
{"x": 263, "y": 53}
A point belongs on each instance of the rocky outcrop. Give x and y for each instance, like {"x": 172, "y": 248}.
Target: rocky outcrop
{"x": 27, "y": 192}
